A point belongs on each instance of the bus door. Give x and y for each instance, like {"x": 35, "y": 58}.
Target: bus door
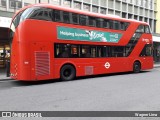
{"x": 41, "y": 60}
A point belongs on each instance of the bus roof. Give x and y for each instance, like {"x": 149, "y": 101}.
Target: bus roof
{"x": 107, "y": 16}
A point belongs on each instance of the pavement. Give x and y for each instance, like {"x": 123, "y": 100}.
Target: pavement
{"x": 3, "y": 72}
{"x": 157, "y": 64}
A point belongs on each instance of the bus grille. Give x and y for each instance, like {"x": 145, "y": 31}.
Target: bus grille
{"x": 42, "y": 63}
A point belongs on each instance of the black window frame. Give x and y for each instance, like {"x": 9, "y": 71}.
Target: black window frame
{"x": 85, "y": 20}
{"x": 106, "y": 23}
{"x": 17, "y": 18}
{"x": 59, "y": 13}
{"x": 88, "y": 51}
{"x": 69, "y": 17}
{"x": 92, "y": 19}
{"x": 139, "y": 29}
{"x": 81, "y": 18}
{"x": 47, "y": 14}
{"x": 115, "y": 23}
{"x": 74, "y": 51}
{"x": 77, "y": 16}
{"x": 99, "y": 22}
{"x": 149, "y": 30}
{"x": 123, "y": 26}
{"x": 111, "y": 24}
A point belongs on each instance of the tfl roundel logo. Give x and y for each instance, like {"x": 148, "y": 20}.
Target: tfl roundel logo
{"x": 107, "y": 65}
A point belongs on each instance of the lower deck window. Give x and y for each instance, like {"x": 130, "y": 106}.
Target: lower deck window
{"x": 88, "y": 51}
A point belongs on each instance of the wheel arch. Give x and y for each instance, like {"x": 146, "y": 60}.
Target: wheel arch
{"x": 68, "y": 63}
{"x": 135, "y": 68}
{"x": 138, "y": 61}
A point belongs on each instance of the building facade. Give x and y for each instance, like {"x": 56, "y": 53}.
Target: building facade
{"x": 142, "y": 10}
{"x": 157, "y": 36}
{"x": 158, "y": 17}
{"x": 7, "y": 10}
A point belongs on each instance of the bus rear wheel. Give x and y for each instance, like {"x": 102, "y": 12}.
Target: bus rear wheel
{"x": 136, "y": 67}
{"x": 67, "y": 72}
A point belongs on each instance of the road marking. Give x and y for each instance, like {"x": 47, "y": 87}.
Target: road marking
{"x": 107, "y": 65}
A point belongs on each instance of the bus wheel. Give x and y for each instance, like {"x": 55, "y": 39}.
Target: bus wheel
{"x": 136, "y": 67}
{"x": 67, "y": 72}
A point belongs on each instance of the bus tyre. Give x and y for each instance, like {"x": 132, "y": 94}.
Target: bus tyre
{"x": 67, "y": 72}
{"x": 136, "y": 67}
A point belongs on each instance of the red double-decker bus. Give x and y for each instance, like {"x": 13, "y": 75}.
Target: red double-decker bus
{"x": 50, "y": 42}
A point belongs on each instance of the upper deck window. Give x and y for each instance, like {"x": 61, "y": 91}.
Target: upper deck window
{"x": 147, "y": 29}
{"x": 66, "y": 17}
{"x": 123, "y": 25}
{"x": 21, "y": 16}
{"x": 75, "y": 18}
{"x": 140, "y": 29}
{"x": 57, "y": 15}
{"x": 144, "y": 29}
{"x": 92, "y": 21}
{"x": 116, "y": 25}
{"x": 26, "y": 13}
{"x": 83, "y": 20}
{"x": 16, "y": 20}
{"x": 42, "y": 14}
{"x": 48, "y": 14}
{"x": 106, "y": 24}
{"x": 99, "y": 22}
